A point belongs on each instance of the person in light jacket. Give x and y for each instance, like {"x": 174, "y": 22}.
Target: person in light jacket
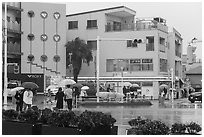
{"x": 27, "y": 99}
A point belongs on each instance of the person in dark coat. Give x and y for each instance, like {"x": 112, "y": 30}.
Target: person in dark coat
{"x": 59, "y": 97}
{"x": 19, "y": 100}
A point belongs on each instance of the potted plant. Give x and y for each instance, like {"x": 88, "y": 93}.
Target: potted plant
{"x": 143, "y": 126}
{"x": 95, "y": 123}
{"x": 18, "y": 124}
{"x": 178, "y": 128}
{"x": 193, "y": 128}
{"x": 59, "y": 122}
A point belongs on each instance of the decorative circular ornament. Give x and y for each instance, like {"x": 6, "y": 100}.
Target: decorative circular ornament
{"x": 30, "y": 58}
{"x": 56, "y": 58}
{"x": 44, "y": 14}
{"x": 56, "y": 15}
{"x": 31, "y": 37}
{"x": 44, "y": 37}
{"x": 31, "y": 14}
{"x": 56, "y": 38}
{"x": 43, "y": 58}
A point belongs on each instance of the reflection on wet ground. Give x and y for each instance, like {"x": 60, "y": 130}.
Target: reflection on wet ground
{"x": 180, "y": 110}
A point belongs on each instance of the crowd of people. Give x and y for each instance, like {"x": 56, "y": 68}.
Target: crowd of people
{"x": 24, "y": 98}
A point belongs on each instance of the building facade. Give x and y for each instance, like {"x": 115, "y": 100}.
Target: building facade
{"x": 136, "y": 50}
{"x": 36, "y": 41}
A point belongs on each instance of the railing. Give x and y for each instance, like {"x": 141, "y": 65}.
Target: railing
{"x": 140, "y": 25}
{"x": 13, "y": 4}
{"x": 13, "y": 25}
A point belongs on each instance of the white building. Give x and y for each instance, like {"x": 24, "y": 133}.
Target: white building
{"x": 131, "y": 49}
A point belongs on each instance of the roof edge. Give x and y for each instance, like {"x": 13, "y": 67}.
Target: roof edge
{"x": 75, "y": 14}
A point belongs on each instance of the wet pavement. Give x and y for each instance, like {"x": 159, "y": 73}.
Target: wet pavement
{"x": 180, "y": 110}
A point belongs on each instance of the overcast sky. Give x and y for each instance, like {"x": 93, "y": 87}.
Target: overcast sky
{"x": 186, "y": 17}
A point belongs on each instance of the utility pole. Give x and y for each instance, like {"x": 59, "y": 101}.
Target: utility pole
{"x": 172, "y": 84}
{"x": 97, "y": 67}
{"x": 5, "y": 56}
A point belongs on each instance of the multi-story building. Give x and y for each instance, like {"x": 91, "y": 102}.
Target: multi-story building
{"x": 36, "y": 41}
{"x": 14, "y": 33}
{"x": 140, "y": 50}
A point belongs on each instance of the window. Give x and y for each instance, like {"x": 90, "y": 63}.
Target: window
{"x": 147, "y": 64}
{"x": 161, "y": 44}
{"x": 147, "y": 84}
{"x": 150, "y": 43}
{"x": 73, "y": 25}
{"x": 8, "y": 18}
{"x": 115, "y": 65}
{"x": 92, "y": 44}
{"x": 91, "y": 24}
{"x": 131, "y": 43}
{"x": 163, "y": 65}
{"x": 135, "y": 64}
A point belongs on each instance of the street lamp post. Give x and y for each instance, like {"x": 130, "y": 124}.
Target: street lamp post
{"x": 5, "y": 56}
{"x": 98, "y": 56}
{"x": 172, "y": 84}
{"x": 121, "y": 83}
{"x": 70, "y": 55}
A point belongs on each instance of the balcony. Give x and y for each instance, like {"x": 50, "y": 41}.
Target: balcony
{"x": 13, "y": 6}
{"x": 12, "y": 26}
{"x": 140, "y": 25}
{"x": 13, "y": 48}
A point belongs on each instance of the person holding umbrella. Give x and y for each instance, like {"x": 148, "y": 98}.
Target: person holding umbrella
{"x": 27, "y": 98}
{"x": 59, "y": 97}
{"x": 19, "y": 100}
{"x": 68, "y": 96}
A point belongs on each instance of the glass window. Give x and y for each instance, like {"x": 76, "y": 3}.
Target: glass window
{"x": 135, "y": 64}
{"x": 91, "y": 23}
{"x": 92, "y": 44}
{"x": 163, "y": 65}
{"x": 147, "y": 83}
{"x": 147, "y": 64}
{"x": 73, "y": 24}
{"x": 150, "y": 43}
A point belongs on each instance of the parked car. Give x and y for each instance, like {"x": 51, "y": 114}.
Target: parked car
{"x": 195, "y": 96}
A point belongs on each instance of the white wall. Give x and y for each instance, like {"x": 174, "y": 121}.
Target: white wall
{"x": 50, "y": 31}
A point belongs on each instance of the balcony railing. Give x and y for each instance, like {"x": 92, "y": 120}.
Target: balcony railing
{"x": 13, "y": 48}
{"x": 135, "y": 27}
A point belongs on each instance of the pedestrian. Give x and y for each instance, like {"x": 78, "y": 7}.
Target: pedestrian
{"x": 59, "y": 98}
{"x": 83, "y": 94}
{"x": 108, "y": 88}
{"x": 76, "y": 93}
{"x": 49, "y": 95}
{"x": 27, "y": 99}
{"x": 19, "y": 100}
{"x": 68, "y": 96}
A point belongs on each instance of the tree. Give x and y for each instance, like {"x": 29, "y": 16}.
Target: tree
{"x": 80, "y": 51}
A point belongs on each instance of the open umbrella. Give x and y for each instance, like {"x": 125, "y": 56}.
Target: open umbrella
{"x": 127, "y": 84}
{"x": 163, "y": 85}
{"x": 85, "y": 88}
{"x": 30, "y": 85}
{"x": 51, "y": 87}
{"x": 135, "y": 85}
{"x": 65, "y": 82}
{"x": 79, "y": 85}
{"x": 13, "y": 90}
